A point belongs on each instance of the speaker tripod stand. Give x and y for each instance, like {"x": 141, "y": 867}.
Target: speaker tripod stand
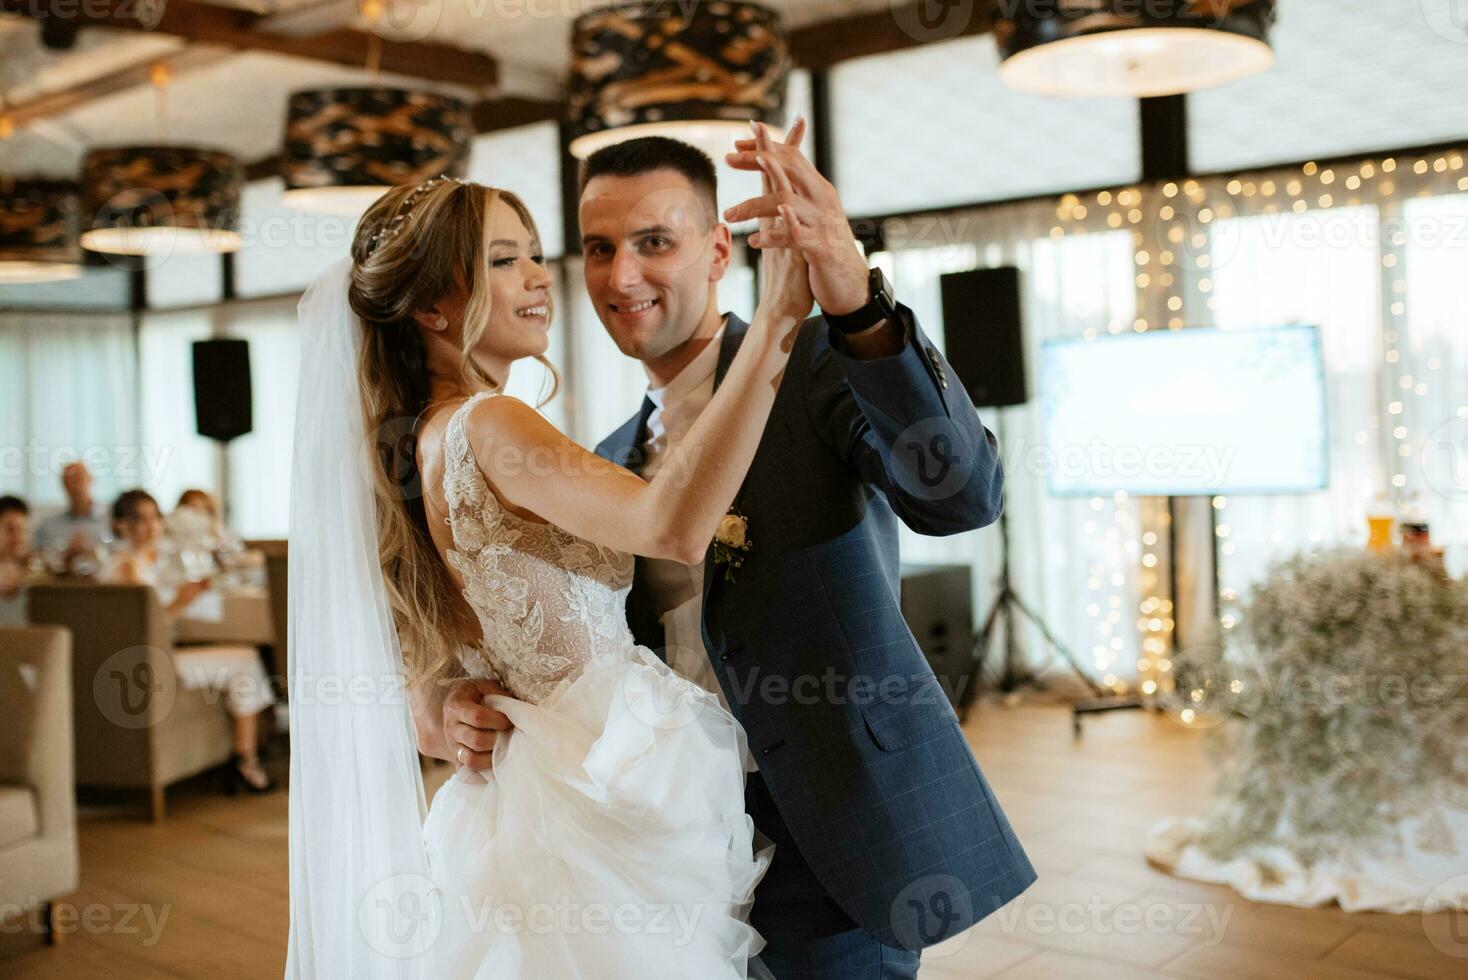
{"x": 1009, "y": 606}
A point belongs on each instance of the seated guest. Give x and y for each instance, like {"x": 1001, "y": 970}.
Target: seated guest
{"x": 15, "y": 557}
{"x": 79, "y": 530}
{"x": 235, "y": 670}
{"x": 197, "y": 512}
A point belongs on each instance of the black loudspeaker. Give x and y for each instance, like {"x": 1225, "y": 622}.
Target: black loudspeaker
{"x": 984, "y": 339}
{"x": 938, "y": 604}
{"x": 222, "y": 406}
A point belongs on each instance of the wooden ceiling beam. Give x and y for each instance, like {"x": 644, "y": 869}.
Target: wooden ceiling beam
{"x": 243, "y": 30}
{"x": 821, "y": 45}
{"x": 187, "y": 59}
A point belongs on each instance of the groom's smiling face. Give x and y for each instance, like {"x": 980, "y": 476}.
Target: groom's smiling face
{"x": 653, "y": 254}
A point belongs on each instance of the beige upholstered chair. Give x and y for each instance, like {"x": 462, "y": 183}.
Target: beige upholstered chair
{"x": 276, "y": 566}
{"x": 136, "y": 726}
{"x": 38, "y": 852}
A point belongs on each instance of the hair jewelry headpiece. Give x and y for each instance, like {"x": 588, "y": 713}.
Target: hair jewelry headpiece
{"x": 391, "y": 228}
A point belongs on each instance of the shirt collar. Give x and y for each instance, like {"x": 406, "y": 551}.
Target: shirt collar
{"x": 694, "y": 374}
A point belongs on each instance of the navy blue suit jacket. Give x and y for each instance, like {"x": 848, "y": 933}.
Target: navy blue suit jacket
{"x": 851, "y": 731}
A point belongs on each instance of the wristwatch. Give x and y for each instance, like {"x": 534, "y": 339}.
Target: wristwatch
{"x": 880, "y": 307}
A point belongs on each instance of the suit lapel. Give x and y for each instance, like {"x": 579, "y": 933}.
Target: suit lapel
{"x": 734, "y": 332}
{"x": 625, "y": 447}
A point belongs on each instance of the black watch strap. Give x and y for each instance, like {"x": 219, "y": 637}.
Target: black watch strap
{"x": 880, "y": 307}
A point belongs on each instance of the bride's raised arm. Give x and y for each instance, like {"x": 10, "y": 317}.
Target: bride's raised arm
{"x": 533, "y": 466}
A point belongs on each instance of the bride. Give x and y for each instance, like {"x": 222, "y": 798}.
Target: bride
{"x": 440, "y": 529}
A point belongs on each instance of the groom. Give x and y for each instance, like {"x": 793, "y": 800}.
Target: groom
{"x": 888, "y": 838}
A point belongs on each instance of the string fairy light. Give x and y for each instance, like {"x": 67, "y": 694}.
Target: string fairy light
{"x": 1174, "y": 224}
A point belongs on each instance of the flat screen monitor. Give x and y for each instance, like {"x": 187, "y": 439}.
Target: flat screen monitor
{"x": 1186, "y": 413}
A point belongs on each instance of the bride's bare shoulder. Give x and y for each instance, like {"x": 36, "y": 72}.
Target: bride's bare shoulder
{"x": 506, "y": 420}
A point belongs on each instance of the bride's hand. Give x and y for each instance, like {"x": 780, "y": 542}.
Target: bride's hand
{"x": 785, "y": 291}
{"x": 470, "y": 728}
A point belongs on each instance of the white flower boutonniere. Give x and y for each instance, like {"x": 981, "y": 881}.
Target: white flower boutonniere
{"x": 731, "y": 541}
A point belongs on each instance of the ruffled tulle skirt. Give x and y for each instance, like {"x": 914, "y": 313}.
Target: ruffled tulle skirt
{"x": 609, "y": 841}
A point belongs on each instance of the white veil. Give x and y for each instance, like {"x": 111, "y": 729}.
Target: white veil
{"x": 360, "y": 900}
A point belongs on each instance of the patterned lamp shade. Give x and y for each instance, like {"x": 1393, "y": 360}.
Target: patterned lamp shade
{"x": 161, "y": 200}
{"x": 344, "y": 147}
{"x": 696, "y": 72}
{"x": 1088, "y": 48}
{"x": 38, "y": 231}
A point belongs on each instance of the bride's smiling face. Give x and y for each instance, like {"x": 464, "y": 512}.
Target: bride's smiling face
{"x": 519, "y": 289}
{"x": 519, "y": 285}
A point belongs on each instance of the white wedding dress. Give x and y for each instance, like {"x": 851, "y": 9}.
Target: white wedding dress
{"x": 610, "y": 839}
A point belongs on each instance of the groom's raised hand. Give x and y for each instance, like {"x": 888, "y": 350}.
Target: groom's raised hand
{"x": 820, "y": 229}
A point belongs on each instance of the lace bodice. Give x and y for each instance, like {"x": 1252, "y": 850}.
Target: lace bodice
{"x": 547, "y": 601}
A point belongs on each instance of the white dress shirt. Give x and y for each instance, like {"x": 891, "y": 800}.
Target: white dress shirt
{"x": 677, "y": 589}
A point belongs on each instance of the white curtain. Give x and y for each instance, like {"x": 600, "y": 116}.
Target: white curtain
{"x": 258, "y": 500}
{"x": 67, "y": 391}
{"x": 1288, "y": 268}
{"x": 166, "y": 404}
{"x": 1074, "y": 561}
{"x": 1432, "y": 375}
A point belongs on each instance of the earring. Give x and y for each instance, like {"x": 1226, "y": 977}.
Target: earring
{"x": 441, "y": 323}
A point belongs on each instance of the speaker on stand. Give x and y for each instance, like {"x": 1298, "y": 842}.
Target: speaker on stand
{"x": 223, "y": 409}
{"x": 984, "y": 341}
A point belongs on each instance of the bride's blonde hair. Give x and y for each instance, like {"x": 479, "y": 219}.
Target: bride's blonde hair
{"x": 416, "y": 246}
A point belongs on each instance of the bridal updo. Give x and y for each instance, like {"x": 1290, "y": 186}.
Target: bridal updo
{"x": 416, "y": 245}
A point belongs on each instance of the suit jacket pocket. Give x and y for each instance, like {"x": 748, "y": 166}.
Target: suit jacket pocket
{"x": 900, "y": 711}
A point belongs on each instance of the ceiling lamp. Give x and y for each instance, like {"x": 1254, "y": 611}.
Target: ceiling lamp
{"x": 161, "y": 200}
{"x": 698, "y": 73}
{"x": 344, "y": 147}
{"x": 1091, "y": 48}
{"x": 38, "y": 231}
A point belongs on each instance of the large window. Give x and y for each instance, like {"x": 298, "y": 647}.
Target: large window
{"x": 933, "y": 126}
{"x": 166, "y": 404}
{"x": 1351, "y": 76}
{"x": 67, "y": 392}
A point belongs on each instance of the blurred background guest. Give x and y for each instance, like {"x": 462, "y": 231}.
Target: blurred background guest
{"x": 78, "y": 532}
{"x": 197, "y": 517}
{"x": 15, "y": 555}
{"x": 235, "y": 670}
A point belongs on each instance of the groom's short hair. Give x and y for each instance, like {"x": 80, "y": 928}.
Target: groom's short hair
{"x": 635, "y": 157}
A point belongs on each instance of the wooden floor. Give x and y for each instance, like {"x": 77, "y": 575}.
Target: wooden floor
{"x": 213, "y": 880}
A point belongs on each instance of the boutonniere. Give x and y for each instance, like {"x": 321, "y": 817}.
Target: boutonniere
{"x": 731, "y": 541}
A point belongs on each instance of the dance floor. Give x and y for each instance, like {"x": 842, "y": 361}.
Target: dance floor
{"x": 213, "y": 878}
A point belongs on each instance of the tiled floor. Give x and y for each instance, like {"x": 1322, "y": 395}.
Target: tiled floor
{"x": 214, "y": 878}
